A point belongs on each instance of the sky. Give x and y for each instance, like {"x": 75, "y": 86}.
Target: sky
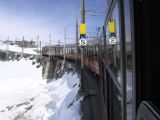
{"x": 32, "y": 18}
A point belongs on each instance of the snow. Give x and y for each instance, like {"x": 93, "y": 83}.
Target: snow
{"x": 24, "y": 95}
{"x": 16, "y": 48}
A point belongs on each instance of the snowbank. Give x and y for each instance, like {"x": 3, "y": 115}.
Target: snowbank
{"x": 24, "y": 95}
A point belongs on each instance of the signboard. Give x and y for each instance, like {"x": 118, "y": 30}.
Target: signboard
{"x": 111, "y": 26}
{"x": 112, "y": 40}
{"x": 82, "y": 29}
{"x": 82, "y": 42}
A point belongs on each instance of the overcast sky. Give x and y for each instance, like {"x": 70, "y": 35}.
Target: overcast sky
{"x": 30, "y": 18}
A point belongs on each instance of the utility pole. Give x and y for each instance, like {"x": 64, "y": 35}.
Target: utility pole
{"x": 7, "y": 47}
{"x": 40, "y": 48}
{"x": 22, "y": 45}
{"x": 49, "y": 46}
{"x": 82, "y": 48}
{"x": 37, "y": 44}
{"x": 82, "y": 35}
{"x": 59, "y": 49}
{"x": 59, "y": 42}
{"x": 64, "y": 43}
{"x": 76, "y": 39}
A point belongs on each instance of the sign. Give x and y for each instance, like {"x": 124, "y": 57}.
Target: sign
{"x": 82, "y": 42}
{"x": 112, "y": 40}
{"x": 82, "y": 29}
{"x": 111, "y": 26}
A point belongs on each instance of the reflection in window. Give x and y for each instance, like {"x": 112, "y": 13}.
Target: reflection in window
{"x": 113, "y": 49}
{"x": 113, "y": 61}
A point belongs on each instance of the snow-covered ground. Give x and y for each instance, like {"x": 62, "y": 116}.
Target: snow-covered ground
{"x": 24, "y": 95}
{"x": 16, "y": 48}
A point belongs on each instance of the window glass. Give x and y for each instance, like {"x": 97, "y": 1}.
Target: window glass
{"x": 113, "y": 61}
{"x": 128, "y": 59}
{"x": 113, "y": 48}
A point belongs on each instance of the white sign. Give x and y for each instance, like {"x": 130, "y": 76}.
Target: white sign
{"x": 82, "y": 42}
{"x": 112, "y": 40}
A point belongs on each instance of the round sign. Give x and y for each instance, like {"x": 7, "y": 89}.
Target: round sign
{"x": 82, "y": 42}
{"x": 112, "y": 40}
